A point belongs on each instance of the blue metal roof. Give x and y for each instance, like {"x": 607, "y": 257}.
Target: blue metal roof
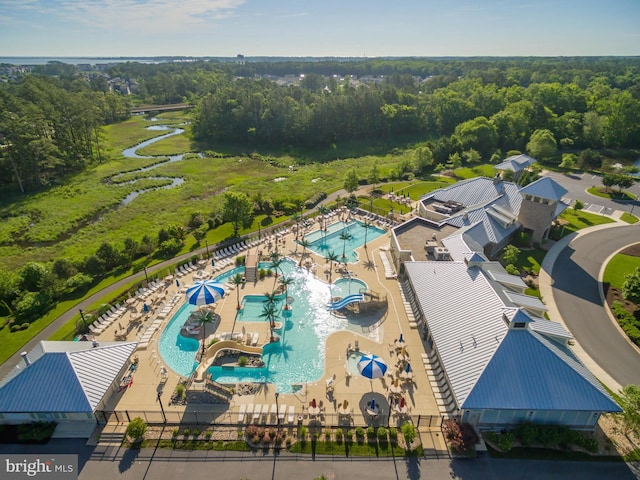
{"x": 48, "y": 385}
{"x": 528, "y": 372}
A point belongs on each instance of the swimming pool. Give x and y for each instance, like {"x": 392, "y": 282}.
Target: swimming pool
{"x": 324, "y": 242}
{"x": 299, "y": 355}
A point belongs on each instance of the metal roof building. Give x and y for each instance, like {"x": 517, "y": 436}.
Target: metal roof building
{"x": 64, "y": 382}
{"x": 503, "y": 364}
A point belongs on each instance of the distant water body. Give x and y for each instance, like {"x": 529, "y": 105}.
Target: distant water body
{"x": 77, "y": 60}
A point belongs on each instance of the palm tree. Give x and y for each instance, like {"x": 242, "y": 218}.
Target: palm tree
{"x": 305, "y": 244}
{"x": 296, "y": 218}
{"x": 271, "y": 298}
{"x": 276, "y": 260}
{"x": 203, "y": 317}
{"x": 366, "y": 226}
{"x": 322, "y": 210}
{"x": 331, "y": 257}
{"x": 270, "y": 312}
{"x": 345, "y": 236}
{"x": 237, "y": 280}
{"x": 285, "y": 282}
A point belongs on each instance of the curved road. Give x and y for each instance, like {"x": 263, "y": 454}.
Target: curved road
{"x": 576, "y": 292}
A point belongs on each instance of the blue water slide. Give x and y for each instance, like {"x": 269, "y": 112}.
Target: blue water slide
{"x": 354, "y": 297}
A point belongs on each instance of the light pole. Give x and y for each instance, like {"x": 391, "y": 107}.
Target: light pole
{"x": 84, "y": 321}
{"x": 164, "y": 417}
{"x": 277, "y": 410}
{"x": 206, "y": 242}
{"x": 145, "y": 274}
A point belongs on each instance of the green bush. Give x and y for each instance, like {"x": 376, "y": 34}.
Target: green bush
{"x": 526, "y": 433}
{"x": 136, "y": 428}
{"x": 382, "y": 433}
{"x": 36, "y": 432}
{"x": 393, "y": 434}
{"x": 242, "y": 361}
{"x": 409, "y": 433}
{"x": 505, "y": 441}
{"x": 359, "y": 432}
{"x": 511, "y": 269}
{"x": 339, "y": 436}
{"x": 371, "y": 431}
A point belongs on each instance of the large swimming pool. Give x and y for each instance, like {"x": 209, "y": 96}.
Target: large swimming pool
{"x": 299, "y": 355}
{"x": 324, "y": 242}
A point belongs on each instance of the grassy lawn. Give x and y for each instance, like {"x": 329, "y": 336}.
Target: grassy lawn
{"x": 574, "y": 220}
{"x": 352, "y": 449}
{"x": 464, "y": 173}
{"x": 619, "y": 266}
{"x": 611, "y": 194}
{"x": 627, "y": 217}
{"x": 551, "y": 454}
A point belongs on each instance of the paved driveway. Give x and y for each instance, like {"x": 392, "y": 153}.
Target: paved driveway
{"x": 577, "y": 185}
{"x": 576, "y": 293}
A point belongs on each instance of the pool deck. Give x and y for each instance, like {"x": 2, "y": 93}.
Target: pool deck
{"x": 354, "y": 388}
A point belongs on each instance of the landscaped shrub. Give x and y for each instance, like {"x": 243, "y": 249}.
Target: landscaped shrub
{"x": 526, "y": 433}
{"x": 383, "y": 434}
{"x": 409, "y": 433}
{"x": 339, "y": 435}
{"x": 36, "y": 432}
{"x": 242, "y": 361}
{"x": 137, "y": 428}
{"x": 393, "y": 434}
{"x": 505, "y": 441}
{"x": 549, "y": 435}
{"x": 371, "y": 432}
{"x": 302, "y": 432}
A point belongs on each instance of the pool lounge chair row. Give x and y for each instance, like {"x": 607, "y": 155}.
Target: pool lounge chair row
{"x": 389, "y": 271}
{"x": 107, "y": 319}
{"x": 145, "y": 338}
{"x": 263, "y": 412}
{"x": 378, "y": 220}
{"x": 185, "y": 269}
{"x": 144, "y": 292}
{"x": 230, "y": 251}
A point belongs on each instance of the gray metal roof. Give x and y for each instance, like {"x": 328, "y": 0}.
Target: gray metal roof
{"x": 474, "y": 191}
{"x": 71, "y": 378}
{"x": 528, "y": 372}
{"x": 545, "y": 187}
{"x": 526, "y": 301}
{"x": 515, "y": 163}
{"x": 549, "y": 328}
{"x": 498, "y": 274}
{"x": 531, "y": 371}
{"x": 464, "y": 314}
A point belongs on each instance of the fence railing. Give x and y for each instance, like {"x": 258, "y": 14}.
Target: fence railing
{"x": 233, "y": 418}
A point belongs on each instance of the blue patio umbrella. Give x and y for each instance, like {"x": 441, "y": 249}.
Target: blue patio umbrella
{"x": 205, "y": 292}
{"x": 372, "y": 366}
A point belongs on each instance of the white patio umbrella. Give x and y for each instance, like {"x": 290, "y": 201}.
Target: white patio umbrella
{"x": 205, "y": 292}
{"x": 372, "y": 366}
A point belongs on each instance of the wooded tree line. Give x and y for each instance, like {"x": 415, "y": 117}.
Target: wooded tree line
{"x": 474, "y": 109}
{"x": 51, "y": 126}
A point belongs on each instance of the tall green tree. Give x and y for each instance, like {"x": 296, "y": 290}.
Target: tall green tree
{"x": 542, "y": 144}
{"x": 351, "y": 181}
{"x": 237, "y": 209}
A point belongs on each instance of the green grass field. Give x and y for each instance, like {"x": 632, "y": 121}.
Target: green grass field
{"x": 576, "y": 220}
{"x": 618, "y": 268}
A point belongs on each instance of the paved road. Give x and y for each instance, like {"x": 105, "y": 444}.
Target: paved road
{"x": 578, "y": 184}
{"x": 576, "y": 292}
{"x": 111, "y": 462}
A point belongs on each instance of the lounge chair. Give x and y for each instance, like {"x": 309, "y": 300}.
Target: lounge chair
{"x": 243, "y": 409}
{"x": 283, "y": 410}
{"x": 291, "y": 414}
{"x": 256, "y": 413}
{"x": 274, "y": 411}
{"x": 249, "y": 411}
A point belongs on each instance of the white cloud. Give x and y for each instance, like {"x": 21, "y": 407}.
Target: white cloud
{"x": 136, "y": 15}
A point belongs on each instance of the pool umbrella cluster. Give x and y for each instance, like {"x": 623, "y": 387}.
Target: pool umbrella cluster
{"x": 205, "y": 292}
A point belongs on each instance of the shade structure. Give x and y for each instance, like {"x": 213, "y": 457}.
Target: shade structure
{"x": 204, "y": 293}
{"x": 372, "y": 366}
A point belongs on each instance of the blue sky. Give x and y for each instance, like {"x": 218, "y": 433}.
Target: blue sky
{"x": 313, "y": 28}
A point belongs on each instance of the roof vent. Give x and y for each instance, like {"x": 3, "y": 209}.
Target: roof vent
{"x": 25, "y": 358}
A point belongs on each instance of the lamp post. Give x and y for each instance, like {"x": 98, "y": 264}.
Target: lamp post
{"x": 277, "y": 410}
{"x": 145, "y": 274}
{"x": 164, "y": 417}
{"x": 206, "y": 243}
{"x": 84, "y": 321}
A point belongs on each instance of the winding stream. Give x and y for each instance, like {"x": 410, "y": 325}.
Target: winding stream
{"x": 132, "y": 153}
